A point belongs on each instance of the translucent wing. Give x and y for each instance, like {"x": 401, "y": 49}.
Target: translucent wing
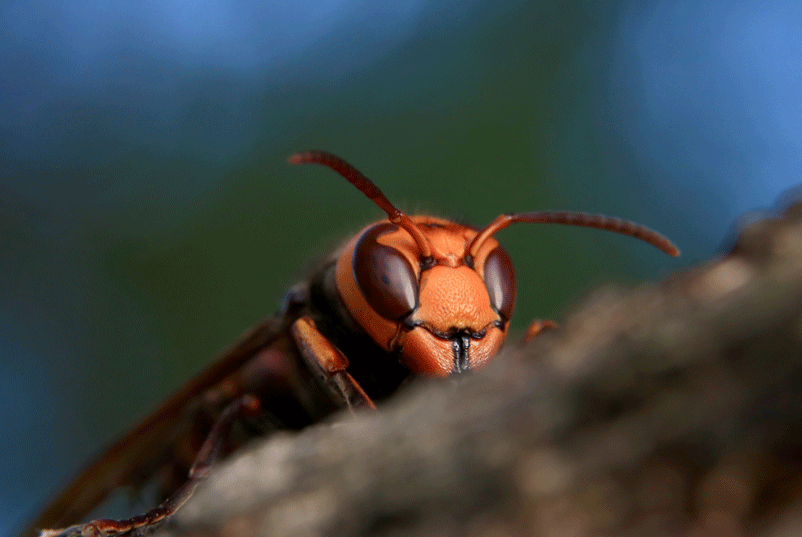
{"x": 137, "y": 456}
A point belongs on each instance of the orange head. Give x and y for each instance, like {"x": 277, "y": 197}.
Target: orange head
{"x": 439, "y": 293}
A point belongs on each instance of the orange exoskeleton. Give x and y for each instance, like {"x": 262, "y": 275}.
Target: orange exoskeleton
{"x": 406, "y": 296}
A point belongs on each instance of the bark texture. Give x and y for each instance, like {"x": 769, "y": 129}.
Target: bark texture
{"x": 674, "y": 409}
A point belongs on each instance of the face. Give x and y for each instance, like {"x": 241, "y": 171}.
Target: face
{"x": 445, "y": 315}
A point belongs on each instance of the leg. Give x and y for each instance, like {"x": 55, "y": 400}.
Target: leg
{"x": 537, "y": 327}
{"x": 328, "y": 363}
{"x": 245, "y": 405}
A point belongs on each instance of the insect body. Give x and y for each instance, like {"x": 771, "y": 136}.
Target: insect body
{"x": 406, "y": 296}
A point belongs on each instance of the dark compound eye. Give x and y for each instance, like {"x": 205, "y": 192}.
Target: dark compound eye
{"x": 384, "y": 276}
{"x": 500, "y": 282}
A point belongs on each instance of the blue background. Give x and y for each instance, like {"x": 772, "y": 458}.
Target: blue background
{"x": 148, "y": 216}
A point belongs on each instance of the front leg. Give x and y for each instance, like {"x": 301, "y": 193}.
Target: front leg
{"x": 328, "y": 363}
{"x": 537, "y": 327}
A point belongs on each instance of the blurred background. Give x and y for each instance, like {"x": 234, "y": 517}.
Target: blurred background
{"x": 148, "y": 216}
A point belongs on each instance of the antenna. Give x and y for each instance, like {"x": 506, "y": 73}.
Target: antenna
{"x": 598, "y": 221}
{"x": 366, "y": 186}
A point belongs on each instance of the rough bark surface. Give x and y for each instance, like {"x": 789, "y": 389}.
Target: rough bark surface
{"x": 672, "y": 409}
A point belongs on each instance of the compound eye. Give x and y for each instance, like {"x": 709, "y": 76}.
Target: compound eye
{"x": 384, "y": 276}
{"x": 500, "y": 282}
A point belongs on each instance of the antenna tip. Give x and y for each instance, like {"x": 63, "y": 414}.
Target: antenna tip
{"x": 296, "y": 158}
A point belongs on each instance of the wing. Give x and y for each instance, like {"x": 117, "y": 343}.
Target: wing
{"x": 130, "y": 460}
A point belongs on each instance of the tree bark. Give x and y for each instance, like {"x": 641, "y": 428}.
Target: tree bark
{"x": 674, "y": 409}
